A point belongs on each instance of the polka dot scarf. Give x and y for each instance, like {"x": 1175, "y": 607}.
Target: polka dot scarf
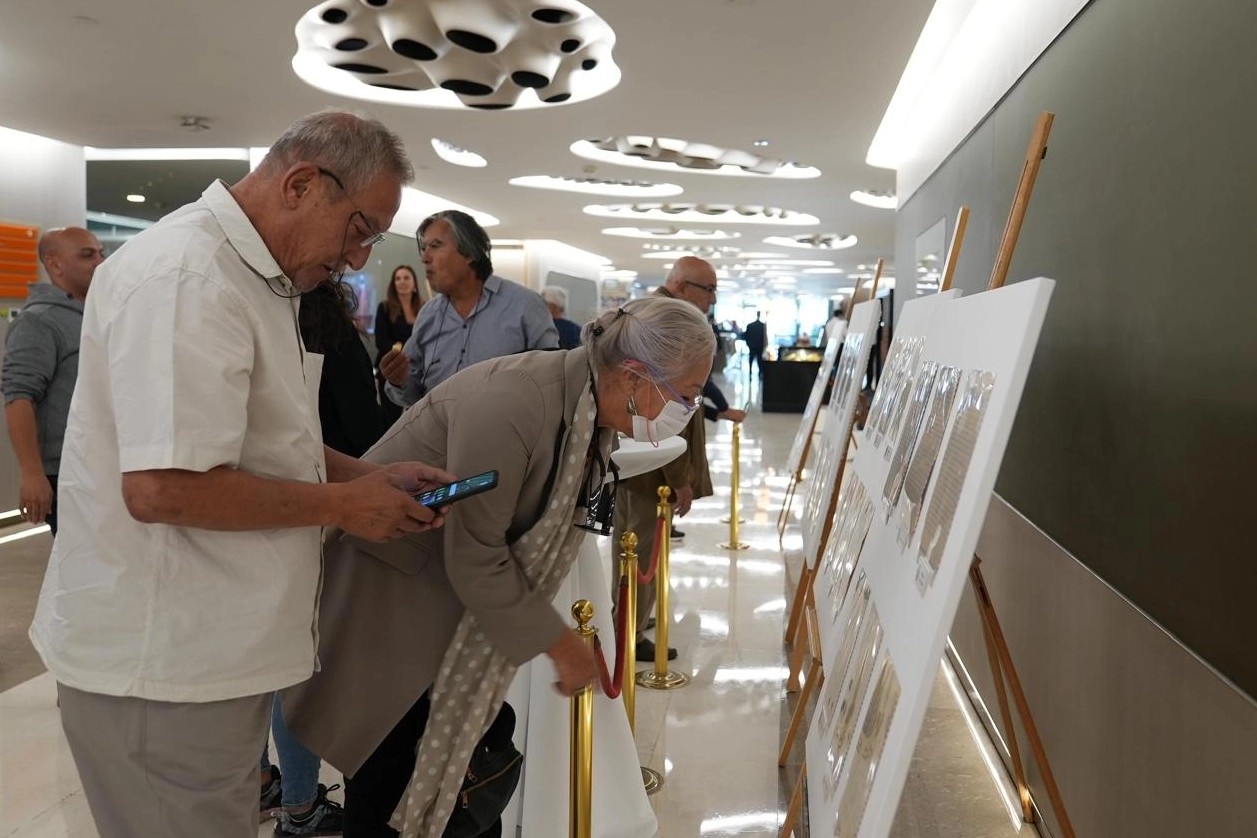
{"x": 473, "y": 679}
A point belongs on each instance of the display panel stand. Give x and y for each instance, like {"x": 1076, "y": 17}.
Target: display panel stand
{"x": 893, "y": 589}
{"x": 915, "y": 319}
{"x": 807, "y": 429}
{"x": 842, "y": 402}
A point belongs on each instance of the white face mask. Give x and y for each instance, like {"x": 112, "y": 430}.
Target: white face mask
{"x": 670, "y": 421}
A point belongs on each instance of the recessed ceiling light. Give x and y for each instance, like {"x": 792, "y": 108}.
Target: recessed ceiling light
{"x": 875, "y": 198}
{"x": 135, "y": 198}
{"x": 760, "y": 143}
{"x": 600, "y": 186}
{"x": 457, "y": 53}
{"x": 669, "y": 233}
{"x": 451, "y": 153}
{"x": 813, "y": 241}
{"x": 703, "y": 213}
{"x": 618, "y": 274}
{"x": 683, "y": 156}
{"x": 418, "y": 205}
{"x": 823, "y": 271}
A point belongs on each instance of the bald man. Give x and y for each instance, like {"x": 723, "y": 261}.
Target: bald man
{"x": 41, "y": 364}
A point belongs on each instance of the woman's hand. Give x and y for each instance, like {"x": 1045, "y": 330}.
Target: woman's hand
{"x": 575, "y": 663}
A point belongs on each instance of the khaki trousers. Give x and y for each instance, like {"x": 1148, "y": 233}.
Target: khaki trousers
{"x": 158, "y": 769}
{"x": 636, "y": 512}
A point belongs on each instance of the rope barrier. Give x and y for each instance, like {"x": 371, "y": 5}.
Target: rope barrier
{"x": 614, "y": 686}
{"x": 649, "y": 576}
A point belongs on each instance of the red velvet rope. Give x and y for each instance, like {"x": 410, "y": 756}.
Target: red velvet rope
{"x": 649, "y": 576}
{"x": 614, "y": 686}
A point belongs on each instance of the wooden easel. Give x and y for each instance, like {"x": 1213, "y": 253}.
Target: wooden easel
{"x": 998, "y": 654}
{"x": 803, "y": 597}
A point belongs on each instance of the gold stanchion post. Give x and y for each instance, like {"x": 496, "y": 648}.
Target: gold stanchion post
{"x": 652, "y": 780}
{"x": 661, "y": 678}
{"x": 629, "y": 569}
{"x": 733, "y": 543}
{"x": 580, "y": 815}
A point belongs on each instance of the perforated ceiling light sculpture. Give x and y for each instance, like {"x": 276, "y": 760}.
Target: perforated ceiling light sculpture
{"x": 681, "y": 155}
{"x": 487, "y": 54}
{"x": 703, "y": 213}
{"x": 814, "y": 241}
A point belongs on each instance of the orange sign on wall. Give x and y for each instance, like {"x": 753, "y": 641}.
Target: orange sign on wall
{"x": 19, "y": 259}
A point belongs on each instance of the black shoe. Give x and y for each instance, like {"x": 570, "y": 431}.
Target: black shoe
{"x": 326, "y": 817}
{"x": 646, "y": 651}
{"x": 650, "y": 624}
{"x": 270, "y": 802}
{"x": 677, "y": 535}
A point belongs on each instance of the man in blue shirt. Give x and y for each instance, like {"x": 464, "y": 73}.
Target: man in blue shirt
{"x": 473, "y": 316}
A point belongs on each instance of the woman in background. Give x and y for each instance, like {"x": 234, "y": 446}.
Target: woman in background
{"x": 394, "y": 320}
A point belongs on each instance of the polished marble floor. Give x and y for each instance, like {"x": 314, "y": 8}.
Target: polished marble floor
{"x": 715, "y": 740}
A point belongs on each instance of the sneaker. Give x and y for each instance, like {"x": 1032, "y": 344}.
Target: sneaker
{"x": 646, "y": 651}
{"x": 326, "y": 817}
{"x": 677, "y": 535}
{"x": 270, "y": 803}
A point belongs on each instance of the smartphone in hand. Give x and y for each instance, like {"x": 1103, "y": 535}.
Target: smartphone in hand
{"x": 459, "y": 489}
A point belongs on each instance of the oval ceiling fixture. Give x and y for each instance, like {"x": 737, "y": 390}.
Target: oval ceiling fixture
{"x": 681, "y": 155}
{"x": 451, "y": 153}
{"x": 814, "y": 241}
{"x": 875, "y": 198}
{"x": 600, "y": 186}
{"x": 708, "y": 253}
{"x": 669, "y": 233}
{"x": 484, "y": 54}
{"x": 703, "y": 213}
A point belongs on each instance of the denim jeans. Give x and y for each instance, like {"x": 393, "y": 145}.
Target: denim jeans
{"x": 300, "y": 767}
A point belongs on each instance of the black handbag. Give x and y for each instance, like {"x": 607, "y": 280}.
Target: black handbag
{"x": 491, "y": 779}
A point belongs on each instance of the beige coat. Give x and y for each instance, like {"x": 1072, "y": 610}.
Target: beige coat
{"x": 388, "y": 611}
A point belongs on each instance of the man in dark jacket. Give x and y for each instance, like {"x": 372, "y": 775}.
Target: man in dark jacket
{"x": 41, "y": 364}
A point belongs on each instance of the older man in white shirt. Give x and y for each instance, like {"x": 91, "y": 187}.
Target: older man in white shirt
{"x": 182, "y": 587}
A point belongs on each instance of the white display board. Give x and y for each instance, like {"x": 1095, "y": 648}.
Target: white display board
{"x": 796, "y": 459}
{"x": 922, "y": 491}
{"x": 881, "y": 431}
{"x": 831, "y": 445}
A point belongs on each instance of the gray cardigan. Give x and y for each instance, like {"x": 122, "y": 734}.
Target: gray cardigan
{"x": 41, "y": 364}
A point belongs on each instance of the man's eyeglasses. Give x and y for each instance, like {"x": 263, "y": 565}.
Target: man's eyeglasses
{"x": 710, "y": 289}
{"x": 370, "y": 238}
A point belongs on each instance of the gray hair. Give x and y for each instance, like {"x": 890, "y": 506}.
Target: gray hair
{"x": 665, "y": 333}
{"x": 555, "y": 295}
{"x": 470, "y": 239}
{"x": 355, "y": 148}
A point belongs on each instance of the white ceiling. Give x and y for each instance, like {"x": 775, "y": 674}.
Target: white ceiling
{"x": 812, "y": 77}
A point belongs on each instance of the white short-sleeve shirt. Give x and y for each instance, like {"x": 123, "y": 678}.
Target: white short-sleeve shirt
{"x": 191, "y": 360}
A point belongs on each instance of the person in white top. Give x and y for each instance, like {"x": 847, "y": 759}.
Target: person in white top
{"x": 183, "y": 584}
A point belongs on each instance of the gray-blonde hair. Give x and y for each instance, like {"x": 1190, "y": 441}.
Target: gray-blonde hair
{"x": 356, "y": 149}
{"x": 666, "y": 334}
